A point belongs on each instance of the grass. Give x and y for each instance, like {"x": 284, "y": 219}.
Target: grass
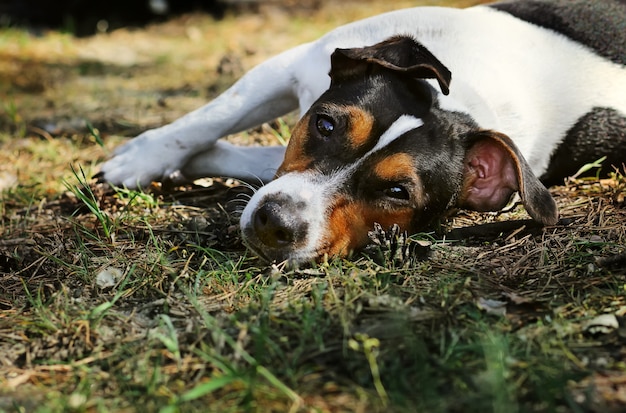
{"x": 117, "y": 300}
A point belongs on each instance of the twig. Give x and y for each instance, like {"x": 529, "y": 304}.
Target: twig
{"x": 16, "y": 241}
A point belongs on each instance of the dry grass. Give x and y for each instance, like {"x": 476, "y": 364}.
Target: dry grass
{"x": 125, "y": 301}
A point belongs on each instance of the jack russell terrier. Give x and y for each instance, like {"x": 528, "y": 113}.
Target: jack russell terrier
{"x": 387, "y": 137}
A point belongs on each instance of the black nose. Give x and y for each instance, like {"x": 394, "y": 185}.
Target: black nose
{"x": 278, "y": 225}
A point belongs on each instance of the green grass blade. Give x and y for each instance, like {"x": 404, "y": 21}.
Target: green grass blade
{"x": 95, "y": 133}
{"x": 208, "y": 387}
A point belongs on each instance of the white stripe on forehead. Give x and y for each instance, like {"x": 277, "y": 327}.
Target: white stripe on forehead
{"x": 401, "y": 126}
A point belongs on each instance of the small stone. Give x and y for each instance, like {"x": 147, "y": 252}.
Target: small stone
{"x": 108, "y": 277}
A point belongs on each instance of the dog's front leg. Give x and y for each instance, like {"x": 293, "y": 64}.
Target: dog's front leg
{"x": 264, "y": 93}
{"x": 255, "y": 164}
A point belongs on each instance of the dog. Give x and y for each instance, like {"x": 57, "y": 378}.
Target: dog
{"x": 387, "y": 137}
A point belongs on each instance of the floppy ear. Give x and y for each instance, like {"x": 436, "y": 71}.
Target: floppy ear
{"x": 493, "y": 169}
{"x": 399, "y": 53}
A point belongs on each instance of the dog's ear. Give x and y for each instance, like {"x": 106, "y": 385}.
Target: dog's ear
{"x": 399, "y": 53}
{"x": 493, "y": 169}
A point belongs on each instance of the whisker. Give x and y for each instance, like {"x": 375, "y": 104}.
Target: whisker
{"x": 254, "y": 182}
{"x": 243, "y": 197}
{"x": 237, "y": 212}
{"x": 237, "y": 203}
{"x": 253, "y": 187}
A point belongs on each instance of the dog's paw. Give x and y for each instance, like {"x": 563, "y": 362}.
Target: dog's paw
{"x": 143, "y": 160}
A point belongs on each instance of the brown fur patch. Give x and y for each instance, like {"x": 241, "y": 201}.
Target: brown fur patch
{"x": 350, "y": 221}
{"x": 360, "y": 124}
{"x": 360, "y": 129}
{"x": 296, "y": 160}
{"x": 396, "y": 167}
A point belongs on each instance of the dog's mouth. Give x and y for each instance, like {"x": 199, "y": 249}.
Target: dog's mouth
{"x": 285, "y": 219}
{"x": 303, "y": 226}
{"x": 285, "y": 252}
{"x": 291, "y": 254}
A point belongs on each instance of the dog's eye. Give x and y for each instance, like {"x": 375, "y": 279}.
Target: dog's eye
{"x": 397, "y": 192}
{"x": 325, "y": 125}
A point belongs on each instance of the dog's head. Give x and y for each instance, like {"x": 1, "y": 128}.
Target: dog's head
{"x": 375, "y": 148}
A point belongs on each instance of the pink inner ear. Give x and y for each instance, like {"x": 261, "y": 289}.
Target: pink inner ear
{"x": 490, "y": 176}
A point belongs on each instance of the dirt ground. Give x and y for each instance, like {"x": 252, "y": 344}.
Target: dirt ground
{"x": 117, "y": 300}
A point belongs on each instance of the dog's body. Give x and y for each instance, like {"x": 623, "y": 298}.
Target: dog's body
{"x": 555, "y": 86}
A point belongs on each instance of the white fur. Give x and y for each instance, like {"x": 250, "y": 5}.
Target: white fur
{"x": 309, "y": 189}
{"x": 398, "y": 128}
{"x": 527, "y": 82}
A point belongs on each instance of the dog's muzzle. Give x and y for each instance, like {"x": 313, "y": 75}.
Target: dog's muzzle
{"x": 284, "y": 220}
{"x": 277, "y": 223}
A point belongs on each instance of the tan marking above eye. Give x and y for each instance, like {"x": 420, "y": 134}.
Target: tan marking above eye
{"x": 296, "y": 160}
{"x": 398, "y": 166}
{"x": 360, "y": 124}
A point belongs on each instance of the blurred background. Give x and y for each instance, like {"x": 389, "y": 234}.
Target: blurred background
{"x": 85, "y": 17}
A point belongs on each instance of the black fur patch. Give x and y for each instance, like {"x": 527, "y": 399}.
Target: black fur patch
{"x": 597, "y": 24}
{"x": 601, "y": 132}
